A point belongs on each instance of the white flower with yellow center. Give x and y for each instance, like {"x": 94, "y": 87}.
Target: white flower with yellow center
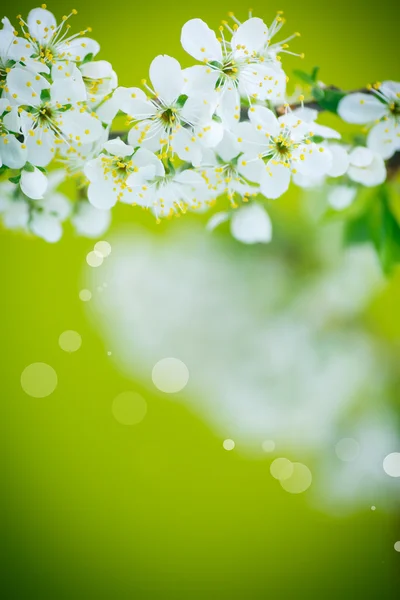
{"x": 172, "y": 193}
{"x": 223, "y": 171}
{"x": 382, "y": 107}
{"x": 275, "y": 148}
{"x": 168, "y": 120}
{"x": 118, "y": 172}
{"x": 52, "y": 43}
{"x": 236, "y": 68}
{"x": 51, "y": 114}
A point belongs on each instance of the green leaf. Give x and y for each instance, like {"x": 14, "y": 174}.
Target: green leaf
{"x": 28, "y": 167}
{"x": 389, "y": 239}
{"x": 318, "y": 94}
{"x": 330, "y": 99}
{"x": 314, "y": 74}
{"x": 87, "y": 58}
{"x": 3, "y": 169}
{"x": 304, "y": 76}
{"x": 15, "y": 179}
{"x": 357, "y": 231}
{"x": 182, "y": 100}
{"x": 45, "y": 95}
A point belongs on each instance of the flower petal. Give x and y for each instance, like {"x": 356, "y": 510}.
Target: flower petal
{"x": 117, "y": 147}
{"x": 251, "y": 225}
{"x": 361, "y": 108}
{"x": 370, "y": 176}
{"x": 33, "y": 183}
{"x": 200, "y": 41}
{"x": 46, "y": 226}
{"x": 275, "y": 181}
{"x": 167, "y": 78}
{"x": 341, "y": 196}
{"x": 251, "y": 36}
{"x": 340, "y": 160}
{"x": 12, "y": 152}
{"x": 102, "y": 194}
{"x": 265, "y": 118}
{"x": 216, "y": 220}
{"x": 384, "y": 139}
{"x": 90, "y": 221}
{"x": 25, "y": 87}
{"x": 41, "y": 24}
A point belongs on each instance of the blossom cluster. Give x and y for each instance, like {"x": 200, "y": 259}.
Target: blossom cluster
{"x": 224, "y": 127}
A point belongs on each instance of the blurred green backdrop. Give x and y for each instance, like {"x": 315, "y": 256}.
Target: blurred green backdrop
{"x": 95, "y": 510}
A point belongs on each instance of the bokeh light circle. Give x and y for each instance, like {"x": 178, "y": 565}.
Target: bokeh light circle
{"x": 391, "y": 464}
{"x": 397, "y": 546}
{"x": 103, "y": 248}
{"x": 299, "y": 481}
{"x": 85, "y": 295}
{"x": 228, "y": 444}
{"x": 129, "y": 408}
{"x": 170, "y": 375}
{"x": 39, "y": 380}
{"x": 281, "y": 468}
{"x": 347, "y": 449}
{"x": 94, "y": 259}
{"x": 70, "y": 341}
{"x": 268, "y": 445}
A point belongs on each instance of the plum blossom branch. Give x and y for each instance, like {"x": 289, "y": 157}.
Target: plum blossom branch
{"x": 224, "y": 129}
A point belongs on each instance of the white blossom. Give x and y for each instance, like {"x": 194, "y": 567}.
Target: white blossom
{"x": 235, "y": 68}
{"x": 89, "y": 221}
{"x": 118, "y": 172}
{"x": 42, "y": 217}
{"x": 382, "y": 107}
{"x": 366, "y": 167}
{"x": 275, "y": 148}
{"x": 56, "y": 118}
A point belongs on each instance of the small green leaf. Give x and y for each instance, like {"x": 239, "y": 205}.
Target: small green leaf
{"x": 15, "y": 179}
{"x": 45, "y": 95}
{"x": 314, "y": 74}
{"x": 318, "y": 94}
{"x": 330, "y": 99}
{"x": 304, "y": 76}
{"x": 3, "y": 169}
{"x": 181, "y": 100}
{"x": 357, "y": 231}
{"x": 87, "y": 58}
{"x": 28, "y": 167}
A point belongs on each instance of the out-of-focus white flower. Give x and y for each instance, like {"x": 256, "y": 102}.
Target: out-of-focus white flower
{"x": 275, "y": 148}
{"x": 248, "y": 224}
{"x": 90, "y": 221}
{"x": 381, "y": 106}
{"x": 366, "y": 167}
{"x": 119, "y": 172}
{"x": 42, "y": 216}
{"x": 268, "y": 366}
{"x": 341, "y": 196}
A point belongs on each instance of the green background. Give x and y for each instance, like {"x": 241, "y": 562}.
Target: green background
{"x": 92, "y": 509}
